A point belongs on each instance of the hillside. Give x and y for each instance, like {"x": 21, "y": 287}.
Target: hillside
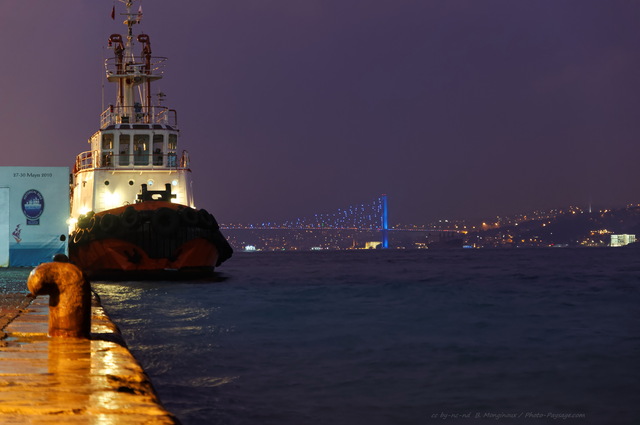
{"x": 573, "y": 228}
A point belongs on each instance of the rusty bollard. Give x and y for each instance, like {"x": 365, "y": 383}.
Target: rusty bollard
{"x": 69, "y": 298}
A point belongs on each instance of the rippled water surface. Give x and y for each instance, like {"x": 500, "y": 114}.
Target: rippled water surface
{"x": 394, "y": 337}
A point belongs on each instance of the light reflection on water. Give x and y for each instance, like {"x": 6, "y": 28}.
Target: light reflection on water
{"x": 391, "y": 337}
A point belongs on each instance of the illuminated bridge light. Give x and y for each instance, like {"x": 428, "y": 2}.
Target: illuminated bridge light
{"x": 364, "y": 216}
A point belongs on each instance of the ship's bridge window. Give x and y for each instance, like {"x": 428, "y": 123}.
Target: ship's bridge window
{"x": 107, "y": 150}
{"x": 124, "y": 149}
{"x": 140, "y": 149}
{"x": 107, "y": 141}
{"x": 158, "y": 145}
{"x": 171, "y": 151}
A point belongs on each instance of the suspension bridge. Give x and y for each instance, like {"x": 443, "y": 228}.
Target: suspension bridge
{"x": 371, "y": 216}
{"x": 366, "y": 223}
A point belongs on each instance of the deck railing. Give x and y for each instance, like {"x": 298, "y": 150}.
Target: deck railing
{"x": 135, "y": 65}
{"x": 108, "y": 160}
{"x": 137, "y": 114}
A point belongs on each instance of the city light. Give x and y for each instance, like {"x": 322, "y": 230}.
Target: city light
{"x": 352, "y": 227}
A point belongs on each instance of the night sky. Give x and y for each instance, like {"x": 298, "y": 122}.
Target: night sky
{"x": 455, "y": 109}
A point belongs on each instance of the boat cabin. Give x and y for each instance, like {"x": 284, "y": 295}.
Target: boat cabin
{"x": 124, "y": 160}
{"x": 136, "y": 146}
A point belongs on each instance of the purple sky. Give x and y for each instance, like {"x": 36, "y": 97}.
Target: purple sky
{"x": 453, "y": 108}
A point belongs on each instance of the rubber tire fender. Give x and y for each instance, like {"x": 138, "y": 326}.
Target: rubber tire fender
{"x": 207, "y": 220}
{"x": 130, "y": 218}
{"x": 165, "y": 221}
{"x": 109, "y": 224}
{"x": 85, "y": 220}
{"x": 224, "y": 248}
{"x": 189, "y": 216}
{"x": 78, "y": 236}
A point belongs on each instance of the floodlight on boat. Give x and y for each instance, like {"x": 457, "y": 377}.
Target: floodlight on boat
{"x": 112, "y": 199}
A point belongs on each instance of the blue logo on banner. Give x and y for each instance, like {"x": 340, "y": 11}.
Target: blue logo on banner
{"x": 32, "y": 206}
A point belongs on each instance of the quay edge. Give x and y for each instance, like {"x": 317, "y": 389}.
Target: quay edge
{"x": 47, "y": 380}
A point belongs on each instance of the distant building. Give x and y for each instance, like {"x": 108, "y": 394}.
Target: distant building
{"x": 622, "y": 240}
{"x": 34, "y": 209}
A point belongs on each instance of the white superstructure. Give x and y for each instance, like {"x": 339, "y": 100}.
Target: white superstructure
{"x": 137, "y": 143}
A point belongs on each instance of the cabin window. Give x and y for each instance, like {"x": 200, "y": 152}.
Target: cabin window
{"x": 140, "y": 149}
{"x": 107, "y": 142}
{"x": 125, "y": 149}
{"x": 171, "y": 153}
{"x": 107, "y": 150}
{"x": 158, "y": 144}
{"x": 106, "y": 159}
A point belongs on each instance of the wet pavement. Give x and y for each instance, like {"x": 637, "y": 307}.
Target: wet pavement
{"x": 47, "y": 380}
{"x": 10, "y": 306}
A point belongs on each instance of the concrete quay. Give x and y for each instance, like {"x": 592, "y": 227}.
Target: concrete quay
{"x": 46, "y": 380}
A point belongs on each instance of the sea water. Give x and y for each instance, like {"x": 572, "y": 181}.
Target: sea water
{"x": 394, "y": 337}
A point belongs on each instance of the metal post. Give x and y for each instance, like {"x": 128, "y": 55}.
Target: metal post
{"x": 69, "y": 297}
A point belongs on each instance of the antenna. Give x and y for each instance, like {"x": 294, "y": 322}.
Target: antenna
{"x": 102, "y": 83}
{"x": 133, "y": 73}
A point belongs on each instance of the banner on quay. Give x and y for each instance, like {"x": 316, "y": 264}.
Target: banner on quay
{"x": 34, "y": 204}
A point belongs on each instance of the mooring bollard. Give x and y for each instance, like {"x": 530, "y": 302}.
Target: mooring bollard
{"x": 69, "y": 298}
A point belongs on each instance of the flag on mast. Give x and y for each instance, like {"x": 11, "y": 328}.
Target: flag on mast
{"x": 139, "y": 14}
{"x": 113, "y": 12}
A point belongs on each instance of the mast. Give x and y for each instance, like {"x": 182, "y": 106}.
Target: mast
{"x": 133, "y": 75}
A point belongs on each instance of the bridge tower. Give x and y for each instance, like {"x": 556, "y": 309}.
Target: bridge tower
{"x": 385, "y": 221}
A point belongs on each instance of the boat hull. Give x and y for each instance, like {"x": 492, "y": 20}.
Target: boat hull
{"x": 148, "y": 240}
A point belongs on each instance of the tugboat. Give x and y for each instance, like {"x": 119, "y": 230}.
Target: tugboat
{"x": 132, "y": 209}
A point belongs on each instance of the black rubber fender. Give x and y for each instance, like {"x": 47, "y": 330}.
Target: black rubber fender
{"x": 225, "y": 251}
{"x": 109, "y": 224}
{"x": 130, "y": 218}
{"x": 207, "y": 220}
{"x": 85, "y": 220}
{"x": 145, "y": 215}
{"x": 94, "y": 223}
{"x": 189, "y": 216}
{"x": 165, "y": 221}
{"x": 78, "y": 236}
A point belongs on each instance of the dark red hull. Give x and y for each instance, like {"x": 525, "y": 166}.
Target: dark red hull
{"x": 148, "y": 240}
